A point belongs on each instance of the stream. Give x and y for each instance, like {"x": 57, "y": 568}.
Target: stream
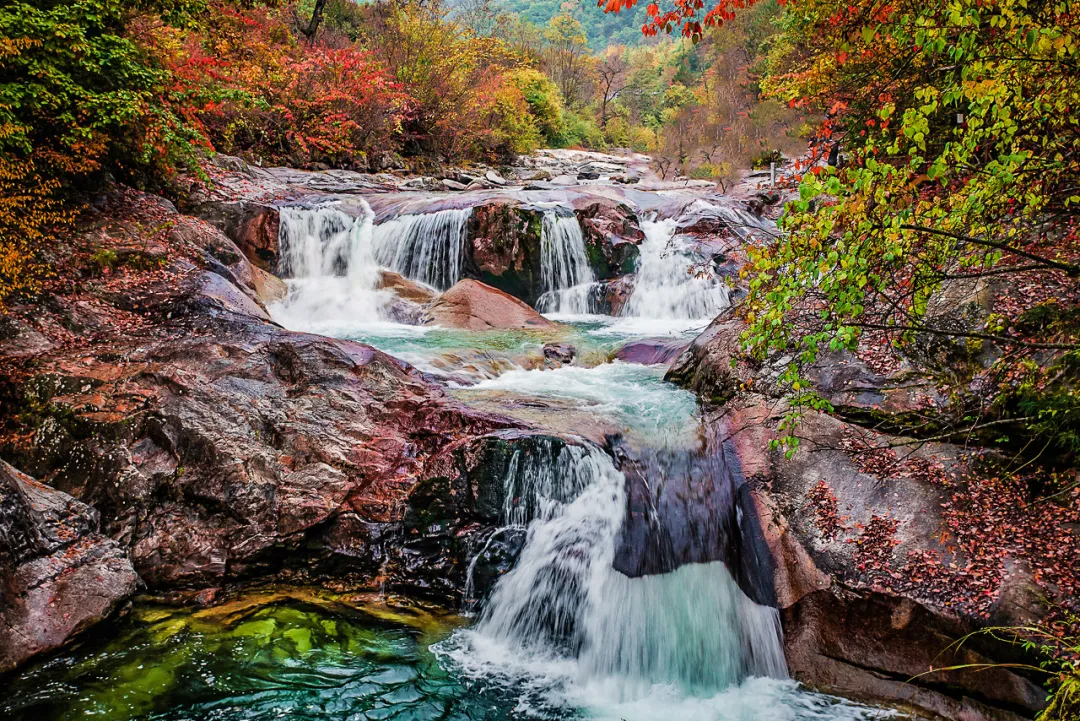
{"x": 598, "y": 619}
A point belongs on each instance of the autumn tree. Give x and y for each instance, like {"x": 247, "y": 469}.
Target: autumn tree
{"x": 567, "y": 57}
{"x": 612, "y": 74}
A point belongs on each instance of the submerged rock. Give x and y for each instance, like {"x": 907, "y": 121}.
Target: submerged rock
{"x": 651, "y": 351}
{"x": 559, "y": 354}
{"x": 58, "y": 574}
{"x": 472, "y": 305}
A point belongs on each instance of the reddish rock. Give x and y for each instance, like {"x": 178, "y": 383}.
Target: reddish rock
{"x": 615, "y": 294}
{"x": 253, "y": 226}
{"x": 505, "y": 248}
{"x": 872, "y": 647}
{"x": 612, "y": 235}
{"x": 869, "y": 578}
{"x": 471, "y": 305}
{"x": 58, "y": 575}
{"x": 404, "y": 288}
{"x": 847, "y": 630}
{"x": 557, "y": 355}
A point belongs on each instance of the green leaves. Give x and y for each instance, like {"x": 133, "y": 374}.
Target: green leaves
{"x": 959, "y": 127}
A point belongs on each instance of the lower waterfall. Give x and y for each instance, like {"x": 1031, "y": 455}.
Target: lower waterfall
{"x": 428, "y": 247}
{"x": 565, "y": 617}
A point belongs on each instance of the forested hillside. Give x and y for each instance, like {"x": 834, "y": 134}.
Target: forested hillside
{"x": 142, "y": 92}
{"x": 601, "y": 29}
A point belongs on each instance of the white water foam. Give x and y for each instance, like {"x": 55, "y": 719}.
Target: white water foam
{"x": 332, "y": 275}
{"x": 428, "y": 247}
{"x": 671, "y": 283}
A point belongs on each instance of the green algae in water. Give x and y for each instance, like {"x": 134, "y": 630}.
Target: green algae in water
{"x": 295, "y": 655}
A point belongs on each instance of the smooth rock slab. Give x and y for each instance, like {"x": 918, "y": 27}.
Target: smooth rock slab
{"x": 471, "y": 305}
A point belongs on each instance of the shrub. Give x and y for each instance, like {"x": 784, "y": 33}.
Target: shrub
{"x": 247, "y": 83}
{"x": 76, "y": 94}
{"x": 543, "y": 99}
{"x": 579, "y": 132}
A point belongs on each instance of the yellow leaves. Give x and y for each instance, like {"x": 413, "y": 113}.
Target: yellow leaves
{"x": 10, "y": 47}
{"x": 29, "y": 212}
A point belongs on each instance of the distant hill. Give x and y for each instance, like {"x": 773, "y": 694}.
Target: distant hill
{"x": 602, "y": 29}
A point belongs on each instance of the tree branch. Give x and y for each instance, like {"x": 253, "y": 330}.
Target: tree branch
{"x": 1070, "y": 269}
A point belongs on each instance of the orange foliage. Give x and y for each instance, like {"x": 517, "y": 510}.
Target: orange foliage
{"x": 248, "y": 85}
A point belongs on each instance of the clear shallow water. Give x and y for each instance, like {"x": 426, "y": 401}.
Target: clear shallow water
{"x": 305, "y": 654}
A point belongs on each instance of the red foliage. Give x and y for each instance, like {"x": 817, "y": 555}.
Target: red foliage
{"x": 828, "y": 520}
{"x": 246, "y": 83}
{"x": 684, "y": 15}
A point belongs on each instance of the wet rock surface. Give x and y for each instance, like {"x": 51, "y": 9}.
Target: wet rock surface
{"x": 687, "y": 507}
{"x": 871, "y": 588}
{"x": 58, "y": 574}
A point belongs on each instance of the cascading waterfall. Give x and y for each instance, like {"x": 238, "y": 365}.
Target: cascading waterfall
{"x": 565, "y": 274}
{"x": 332, "y": 274}
{"x": 563, "y": 612}
{"x": 668, "y": 286}
{"x": 428, "y": 247}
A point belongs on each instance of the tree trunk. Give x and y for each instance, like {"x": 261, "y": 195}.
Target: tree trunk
{"x": 316, "y": 18}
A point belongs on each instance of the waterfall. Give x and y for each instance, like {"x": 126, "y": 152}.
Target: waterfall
{"x": 564, "y": 614}
{"x": 668, "y": 285}
{"x": 428, "y": 247}
{"x": 327, "y": 257}
{"x": 566, "y": 277}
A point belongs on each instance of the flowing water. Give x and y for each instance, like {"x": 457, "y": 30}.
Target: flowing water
{"x": 563, "y": 635}
{"x": 670, "y": 285}
{"x": 427, "y": 247}
{"x": 328, "y": 258}
{"x": 568, "y": 280}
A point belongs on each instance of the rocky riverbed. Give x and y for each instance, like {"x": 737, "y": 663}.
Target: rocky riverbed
{"x": 457, "y": 396}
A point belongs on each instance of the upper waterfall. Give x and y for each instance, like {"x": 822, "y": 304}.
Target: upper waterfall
{"x": 565, "y": 274}
{"x": 668, "y": 286}
{"x": 426, "y": 247}
{"x": 326, "y": 256}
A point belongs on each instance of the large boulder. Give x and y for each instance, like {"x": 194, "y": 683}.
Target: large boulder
{"x": 505, "y": 245}
{"x": 612, "y": 236}
{"x": 472, "y": 305}
{"x": 872, "y": 589}
{"x": 651, "y": 351}
{"x": 58, "y": 575}
{"x": 253, "y": 226}
{"x": 888, "y": 548}
{"x": 505, "y": 241}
